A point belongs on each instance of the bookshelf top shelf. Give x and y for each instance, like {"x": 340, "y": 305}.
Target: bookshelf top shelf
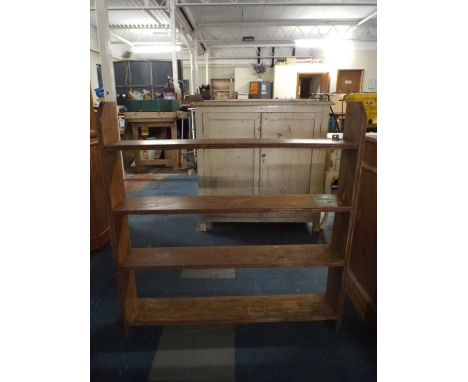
{"x": 239, "y": 143}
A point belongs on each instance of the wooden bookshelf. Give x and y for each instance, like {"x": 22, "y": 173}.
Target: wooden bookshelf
{"x": 231, "y": 309}
{"x": 242, "y": 256}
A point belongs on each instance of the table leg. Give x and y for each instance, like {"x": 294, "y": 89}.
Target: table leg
{"x": 176, "y": 153}
{"x": 137, "y": 152}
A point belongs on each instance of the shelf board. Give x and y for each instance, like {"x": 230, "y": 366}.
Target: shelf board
{"x": 232, "y": 310}
{"x": 231, "y": 204}
{"x": 245, "y": 256}
{"x": 240, "y": 143}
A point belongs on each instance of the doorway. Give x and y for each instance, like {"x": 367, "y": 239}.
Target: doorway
{"x": 349, "y": 80}
{"x": 311, "y": 83}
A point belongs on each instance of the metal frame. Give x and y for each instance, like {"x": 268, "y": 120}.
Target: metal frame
{"x": 113, "y": 9}
{"x": 225, "y": 36}
{"x": 278, "y": 22}
{"x": 216, "y": 35}
{"x": 238, "y": 3}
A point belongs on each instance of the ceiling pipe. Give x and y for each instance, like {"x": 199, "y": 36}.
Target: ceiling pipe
{"x": 367, "y": 18}
{"x": 180, "y": 3}
{"x": 257, "y": 57}
{"x": 140, "y": 26}
{"x": 274, "y": 23}
{"x": 189, "y": 22}
{"x": 220, "y": 44}
{"x": 133, "y": 9}
{"x": 182, "y": 22}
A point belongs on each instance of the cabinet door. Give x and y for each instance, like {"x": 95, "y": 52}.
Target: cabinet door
{"x": 292, "y": 171}
{"x": 229, "y": 171}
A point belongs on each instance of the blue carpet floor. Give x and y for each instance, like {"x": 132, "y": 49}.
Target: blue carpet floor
{"x": 262, "y": 352}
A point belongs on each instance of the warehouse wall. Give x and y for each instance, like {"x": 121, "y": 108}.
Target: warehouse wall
{"x": 215, "y": 71}
{"x": 246, "y": 74}
{"x": 241, "y": 73}
{"x": 286, "y": 75}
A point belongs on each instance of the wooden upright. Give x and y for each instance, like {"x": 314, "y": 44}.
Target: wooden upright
{"x": 100, "y": 234}
{"x": 229, "y": 309}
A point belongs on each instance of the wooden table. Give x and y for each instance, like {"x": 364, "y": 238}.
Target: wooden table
{"x": 139, "y": 121}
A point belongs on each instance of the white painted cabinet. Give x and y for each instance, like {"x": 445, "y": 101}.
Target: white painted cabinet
{"x": 261, "y": 171}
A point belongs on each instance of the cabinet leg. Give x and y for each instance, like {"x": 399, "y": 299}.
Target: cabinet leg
{"x": 339, "y": 323}
{"x": 202, "y": 226}
{"x": 175, "y": 155}
{"x": 316, "y": 222}
{"x": 127, "y": 330}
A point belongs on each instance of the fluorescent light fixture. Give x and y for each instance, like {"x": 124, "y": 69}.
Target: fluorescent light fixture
{"x": 155, "y": 49}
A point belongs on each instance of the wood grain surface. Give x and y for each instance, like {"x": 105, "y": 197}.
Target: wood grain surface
{"x": 232, "y": 309}
{"x": 237, "y": 143}
{"x": 241, "y": 203}
{"x": 244, "y": 256}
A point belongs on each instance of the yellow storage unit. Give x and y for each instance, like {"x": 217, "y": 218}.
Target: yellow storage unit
{"x": 369, "y": 100}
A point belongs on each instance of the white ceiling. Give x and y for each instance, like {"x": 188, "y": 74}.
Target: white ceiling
{"x": 223, "y": 26}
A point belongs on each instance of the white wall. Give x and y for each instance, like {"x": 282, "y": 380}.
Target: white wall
{"x": 215, "y": 71}
{"x": 286, "y": 75}
{"x": 244, "y": 75}
{"x": 241, "y": 73}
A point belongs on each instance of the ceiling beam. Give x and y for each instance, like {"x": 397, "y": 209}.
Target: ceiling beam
{"x": 190, "y": 20}
{"x": 122, "y": 40}
{"x": 125, "y": 41}
{"x": 150, "y": 8}
{"x": 150, "y": 12}
{"x": 256, "y": 57}
{"x": 140, "y": 26}
{"x": 274, "y": 23}
{"x": 227, "y": 44}
{"x": 236, "y": 3}
{"x": 261, "y": 43}
{"x": 367, "y": 18}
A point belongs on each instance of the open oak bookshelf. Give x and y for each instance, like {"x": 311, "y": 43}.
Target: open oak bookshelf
{"x": 231, "y": 309}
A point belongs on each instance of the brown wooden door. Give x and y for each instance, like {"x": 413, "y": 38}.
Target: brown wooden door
{"x": 349, "y": 80}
